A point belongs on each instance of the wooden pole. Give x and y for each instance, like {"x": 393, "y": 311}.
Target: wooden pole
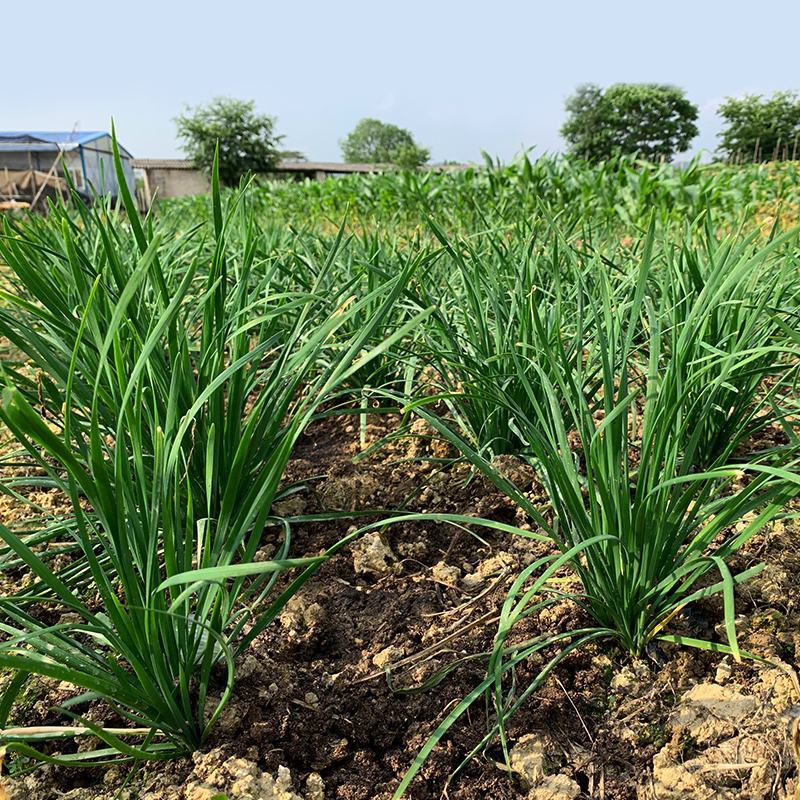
{"x": 33, "y": 173}
{"x": 44, "y": 184}
{"x": 148, "y": 195}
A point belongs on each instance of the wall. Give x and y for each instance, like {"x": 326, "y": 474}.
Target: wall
{"x": 165, "y": 182}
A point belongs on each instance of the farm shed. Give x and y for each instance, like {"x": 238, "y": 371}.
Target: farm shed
{"x": 32, "y": 163}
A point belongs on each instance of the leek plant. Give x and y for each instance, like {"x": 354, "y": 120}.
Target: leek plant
{"x": 174, "y": 392}
{"x": 642, "y": 529}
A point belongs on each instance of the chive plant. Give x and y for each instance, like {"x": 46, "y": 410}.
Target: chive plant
{"x": 500, "y": 305}
{"x": 644, "y": 530}
{"x": 368, "y": 269}
{"x": 175, "y": 391}
{"x": 728, "y": 311}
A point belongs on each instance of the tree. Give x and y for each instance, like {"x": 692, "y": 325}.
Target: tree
{"x": 376, "y": 142}
{"x": 247, "y": 140}
{"x": 759, "y": 128}
{"x": 654, "y": 121}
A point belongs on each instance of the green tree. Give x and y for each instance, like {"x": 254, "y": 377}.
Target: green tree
{"x": 760, "y": 128}
{"x": 247, "y": 140}
{"x": 376, "y": 142}
{"x": 655, "y": 121}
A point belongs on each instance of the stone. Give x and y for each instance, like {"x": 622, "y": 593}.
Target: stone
{"x": 387, "y": 656}
{"x": 373, "y": 556}
{"x": 555, "y": 787}
{"x": 445, "y": 573}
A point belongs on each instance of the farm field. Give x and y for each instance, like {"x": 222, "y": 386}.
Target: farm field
{"x": 482, "y": 482}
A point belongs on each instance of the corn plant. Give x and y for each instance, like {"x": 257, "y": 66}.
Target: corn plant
{"x": 175, "y": 400}
{"x": 620, "y": 194}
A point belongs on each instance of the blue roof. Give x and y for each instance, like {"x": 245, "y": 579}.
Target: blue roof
{"x": 43, "y": 141}
{"x": 55, "y": 137}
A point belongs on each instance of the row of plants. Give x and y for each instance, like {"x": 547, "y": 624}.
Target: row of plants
{"x": 619, "y": 193}
{"x": 167, "y": 366}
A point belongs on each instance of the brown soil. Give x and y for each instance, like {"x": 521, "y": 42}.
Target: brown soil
{"x": 312, "y": 696}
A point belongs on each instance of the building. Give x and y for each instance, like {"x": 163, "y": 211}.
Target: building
{"x": 33, "y": 164}
{"x": 176, "y": 177}
{"x": 169, "y": 177}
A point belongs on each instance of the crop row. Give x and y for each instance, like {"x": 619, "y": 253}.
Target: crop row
{"x": 160, "y": 374}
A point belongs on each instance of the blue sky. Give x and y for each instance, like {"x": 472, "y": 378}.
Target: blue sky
{"x": 463, "y": 76}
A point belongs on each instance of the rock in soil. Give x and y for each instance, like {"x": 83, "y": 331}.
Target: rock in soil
{"x": 373, "y": 556}
{"x": 728, "y": 743}
{"x": 239, "y": 779}
{"x": 529, "y": 760}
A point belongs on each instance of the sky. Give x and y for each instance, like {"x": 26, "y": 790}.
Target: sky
{"x": 463, "y": 76}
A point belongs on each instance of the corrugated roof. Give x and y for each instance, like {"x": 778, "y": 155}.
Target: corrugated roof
{"x": 54, "y": 137}
{"x": 49, "y": 141}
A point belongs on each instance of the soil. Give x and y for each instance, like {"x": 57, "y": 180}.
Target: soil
{"x": 314, "y": 715}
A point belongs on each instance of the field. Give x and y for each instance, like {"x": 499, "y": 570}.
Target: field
{"x": 483, "y": 482}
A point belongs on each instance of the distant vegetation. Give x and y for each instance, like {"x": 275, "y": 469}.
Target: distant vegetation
{"x": 761, "y": 128}
{"x": 247, "y": 140}
{"x": 621, "y": 192}
{"x": 376, "y": 142}
{"x": 650, "y": 120}
{"x": 647, "y": 121}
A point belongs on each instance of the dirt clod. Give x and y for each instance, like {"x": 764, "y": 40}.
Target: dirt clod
{"x": 489, "y": 568}
{"x": 531, "y": 760}
{"x": 238, "y": 779}
{"x": 555, "y": 787}
{"x": 528, "y": 759}
{"x": 710, "y": 712}
{"x": 728, "y": 744}
{"x": 445, "y": 573}
{"x": 387, "y": 656}
{"x": 373, "y": 556}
